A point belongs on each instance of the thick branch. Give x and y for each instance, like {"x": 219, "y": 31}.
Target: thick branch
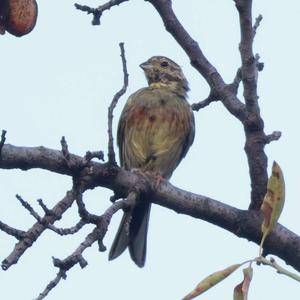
{"x": 253, "y": 125}
{"x": 249, "y": 68}
{"x": 25, "y": 158}
{"x": 282, "y": 242}
{"x": 245, "y": 224}
{"x": 247, "y": 113}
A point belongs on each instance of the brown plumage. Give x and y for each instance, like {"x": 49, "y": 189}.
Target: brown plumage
{"x": 155, "y": 131}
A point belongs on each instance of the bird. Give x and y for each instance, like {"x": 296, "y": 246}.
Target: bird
{"x": 155, "y": 131}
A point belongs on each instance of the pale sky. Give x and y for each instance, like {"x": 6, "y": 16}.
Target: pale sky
{"x": 60, "y": 79}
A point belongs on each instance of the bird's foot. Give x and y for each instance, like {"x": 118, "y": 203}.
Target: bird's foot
{"x": 147, "y": 174}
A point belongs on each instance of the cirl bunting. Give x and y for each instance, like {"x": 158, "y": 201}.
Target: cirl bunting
{"x": 155, "y": 131}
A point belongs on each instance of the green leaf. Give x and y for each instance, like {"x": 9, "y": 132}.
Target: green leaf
{"x": 210, "y": 281}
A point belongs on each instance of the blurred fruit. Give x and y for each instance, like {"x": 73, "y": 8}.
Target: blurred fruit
{"x": 17, "y": 17}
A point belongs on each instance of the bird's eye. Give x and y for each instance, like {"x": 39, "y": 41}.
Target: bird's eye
{"x": 164, "y": 64}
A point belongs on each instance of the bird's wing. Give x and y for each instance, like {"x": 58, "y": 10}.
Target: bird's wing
{"x": 190, "y": 137}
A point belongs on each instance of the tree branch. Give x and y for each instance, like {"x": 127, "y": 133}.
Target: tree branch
{"x": 76, "y": 257}
{"x": 97, "y": 12}
{"x": 18, "y": 234}
{"x": 211, "y": 98}
{"x": 253, "y": 125}
{"x": 2, "y": 140}
{"x": 237, "y": 80}
{"x": 36, "y": 230}
{"x": 25, "y": 158}
{"x": 197, "y": 58}
{"x": 39, "y": 219}
{"x": 274, "y": 136}
{"x": 257, "y": 23}
{"x": 249, "y": 69}
{"x": 246, "y": 224}
{"x": 65, "y": 149}
{"x": 118, "y": 95}
{"x": 247, "y": 113}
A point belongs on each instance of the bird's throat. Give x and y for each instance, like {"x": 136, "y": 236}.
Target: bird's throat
{"x": 174, "y": 86}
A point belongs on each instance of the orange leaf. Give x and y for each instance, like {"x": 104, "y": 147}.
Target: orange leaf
{"x": 273, "y": 202}
{"x": 241, "y": 290}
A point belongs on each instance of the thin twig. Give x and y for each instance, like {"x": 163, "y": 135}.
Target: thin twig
{"x": 76, "y": 257}
{"x": 274, "y": 136}
{"x": 259, "y": 65}
{"x": 280, "y": 270}
{"x": 94, "y": 154}
{"x": 236, "y": 81}
{"x": 97, "y": 12}
{"x": 83, "y": 213}
{"x": 60, "y": 231}
{"x": 121, "y": 92}
{"x": 64, "y": 149}
{"x": 37, "y": 229}
{"x": 27, "y": 206}
{"x": 2, "y": 141}
{"x": 211, "y": 98}
{"x": 52, "y": 284}
{"x": 67, "y": 231}
{"x": 46, "y": 210}
{"x": 18, "y": 234}
{"x": 257, "y": 23}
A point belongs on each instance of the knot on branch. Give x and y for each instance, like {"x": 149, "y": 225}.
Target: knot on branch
{"x": 253, "y": 123}
{"x": 69, "y": 262}
{"x": 274, "y": 136}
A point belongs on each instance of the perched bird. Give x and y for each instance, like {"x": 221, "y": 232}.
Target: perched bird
{"x": 155, "y": 131}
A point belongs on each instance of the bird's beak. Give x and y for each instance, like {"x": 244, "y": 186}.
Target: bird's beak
{"x": 146, "y": 65}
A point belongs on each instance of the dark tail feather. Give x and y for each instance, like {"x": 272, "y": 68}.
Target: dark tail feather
{"x": 138, "y": 233}
{"x": 132, "y": 232}
{"x": 121, "y": 240}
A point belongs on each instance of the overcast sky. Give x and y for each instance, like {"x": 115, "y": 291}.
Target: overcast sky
{"x": 60, "y": 79}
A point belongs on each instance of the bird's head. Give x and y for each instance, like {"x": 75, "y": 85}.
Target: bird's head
{"x": 161, "y": 71}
